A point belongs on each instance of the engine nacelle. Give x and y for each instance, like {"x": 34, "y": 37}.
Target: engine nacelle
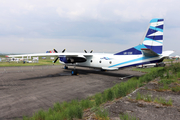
{"x": 78, "y": 59}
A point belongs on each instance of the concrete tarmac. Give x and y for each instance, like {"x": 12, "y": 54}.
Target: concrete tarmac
{"x": 25, "y": 90}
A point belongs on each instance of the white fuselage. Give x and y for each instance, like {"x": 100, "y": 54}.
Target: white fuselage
{"x": 113, "y": 62}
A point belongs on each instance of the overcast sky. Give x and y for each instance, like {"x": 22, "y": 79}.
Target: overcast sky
{"x": 35, "y": 26}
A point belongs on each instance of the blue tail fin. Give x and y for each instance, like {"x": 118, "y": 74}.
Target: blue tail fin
{"x": 153, "y": 39}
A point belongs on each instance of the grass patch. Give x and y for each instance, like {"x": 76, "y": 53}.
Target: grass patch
{"x": 127, "y": 117}
{"x": 147, "y": 70}
{"x": 163, "y": 101}
{"x": 20, "y": 63}
{"x": 176, "y": 89}
{"x": 166, "y": 81}
{"x": 86, "y": 104}
{"x": 148, "y": 98}
{"x": 178, "y": 75}
{"x": 102, "y": 114}
{"x": 168, "y": 60}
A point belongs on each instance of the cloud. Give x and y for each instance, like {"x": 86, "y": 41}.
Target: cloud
{"x": 99, "y": 24}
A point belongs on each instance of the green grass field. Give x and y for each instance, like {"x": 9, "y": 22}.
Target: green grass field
{"x": 168, "y": 60}
{"x": 147, "y": 70}
{"x": 46, "y": 61}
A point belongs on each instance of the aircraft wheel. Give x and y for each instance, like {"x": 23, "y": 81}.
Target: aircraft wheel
{"x": 65, "y": 67}
{"x": 103, "y": 70}
{"x": 74, "y": 72}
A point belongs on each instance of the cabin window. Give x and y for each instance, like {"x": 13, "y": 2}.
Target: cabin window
{"x": 110, "y": 62}
{"x": 91, "y": 60}
{"x": 99, "y": 61}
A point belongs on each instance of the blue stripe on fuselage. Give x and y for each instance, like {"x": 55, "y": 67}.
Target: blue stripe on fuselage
{"x": 130, "y": 61}
{"x": 153, "y": 61}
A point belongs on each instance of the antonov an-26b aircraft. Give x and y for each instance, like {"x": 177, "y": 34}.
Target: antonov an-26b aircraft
{"x": 149, "y": 51}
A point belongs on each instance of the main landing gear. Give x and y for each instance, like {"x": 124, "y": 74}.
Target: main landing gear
{"x": 74, "y": 71}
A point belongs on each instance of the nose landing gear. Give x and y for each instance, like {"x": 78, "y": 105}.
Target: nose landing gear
{"x": 65, "y": 67}
{"x": 74, "y": 72}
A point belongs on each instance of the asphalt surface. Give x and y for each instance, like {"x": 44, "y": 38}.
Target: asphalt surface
{"x": 25, "y": 90}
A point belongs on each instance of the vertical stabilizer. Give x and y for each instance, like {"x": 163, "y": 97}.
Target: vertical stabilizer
{"x": 154, "y": 37}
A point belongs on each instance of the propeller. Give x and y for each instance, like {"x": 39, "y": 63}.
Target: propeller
{"x": 57, "y": 52}
{"x": 63, "y": 51}
{"x": 56, "y": 59}
{"x": 86, "y": 51}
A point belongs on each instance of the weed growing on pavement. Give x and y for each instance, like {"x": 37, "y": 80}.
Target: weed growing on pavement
{"x": 127, "y": 117}
{"x": 102, "y": 114}
{"x": 58, "y": 107}
{"x": 86, "y": 104}
{"x": 176, "y": 89}
{"x": 139, "y": 96}
{"x": 166, "y": 81}
{"x": 178, "y": 74}
{"x": 148, "y": 98}
{"x": 110, "y": 94}
{"x": 169, "y": 102}
{"x": 74, "y": 111}
{"x": 98, "y": 99}
{"x": 40, "y": 115}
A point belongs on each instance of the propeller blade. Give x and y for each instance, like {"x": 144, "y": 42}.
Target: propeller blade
{"x": 63, "y": 51}
{"x": 85, "y": 51}
{"x": 91, "y": 51}
{"x": 55, "y": 51}
{"x": 56, "y": 60}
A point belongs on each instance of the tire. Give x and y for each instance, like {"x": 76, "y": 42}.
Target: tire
{"x": 65, "y": 67}
{"x": 74, "y": 72}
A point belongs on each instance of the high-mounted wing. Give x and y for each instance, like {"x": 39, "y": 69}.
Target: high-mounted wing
{"x": 52, "y": 54}
{"x": 64, "y": 57}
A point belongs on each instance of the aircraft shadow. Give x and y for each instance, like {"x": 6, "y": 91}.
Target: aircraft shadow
{"x": 48, "y": 76}
{"x": 67, "y": 72}
{"x": 94, "y": 71}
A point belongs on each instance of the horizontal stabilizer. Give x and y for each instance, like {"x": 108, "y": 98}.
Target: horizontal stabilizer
{"x": 167, "y": 53}
{"x": 148, "y": 52}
